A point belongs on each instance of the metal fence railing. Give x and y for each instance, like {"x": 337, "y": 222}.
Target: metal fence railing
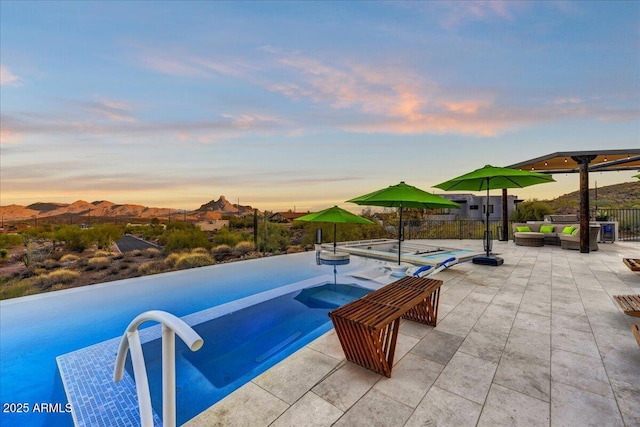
{"x": 453, "y": 229}
{"x": 628, "y": 226}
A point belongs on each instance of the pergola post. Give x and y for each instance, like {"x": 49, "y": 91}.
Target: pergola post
{"x": 584, "y": 161}
{"x": 505, "y": 219}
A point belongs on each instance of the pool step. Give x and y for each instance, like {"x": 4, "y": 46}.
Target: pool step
{"x": 276, "y": 348}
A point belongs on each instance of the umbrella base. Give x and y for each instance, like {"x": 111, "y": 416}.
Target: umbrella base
{"x": 488, "y": 260}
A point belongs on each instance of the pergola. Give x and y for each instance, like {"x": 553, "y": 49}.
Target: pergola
{"x": 583, "y": 162}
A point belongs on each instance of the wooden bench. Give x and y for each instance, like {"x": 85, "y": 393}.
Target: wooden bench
{"x": 368, "y": 327}
{"x": 630, "y": 304}
{"x": 633, "y": 264}
{"x": 636, "y": 331}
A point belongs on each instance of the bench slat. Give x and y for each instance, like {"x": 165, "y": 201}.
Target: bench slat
{"x": 368, "y": 327}
{"x": 630, "y": 304}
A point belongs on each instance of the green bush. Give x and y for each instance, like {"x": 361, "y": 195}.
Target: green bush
{"x": 531, "y": 210}
{"x": 177, "y": 239}
{"x": 10, "y": 240}
{"x": 75, "y": 238}
{"x": 104, "y": 235}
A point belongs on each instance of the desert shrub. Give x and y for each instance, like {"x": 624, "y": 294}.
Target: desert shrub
{"x": 178, "y": 237}
{"x": 59, "y": 287}
{"x": 531, "y": 210}
{"x": 62, "y": 276}
{"x": 193, "y": 260}
{"x": 152, "y": 267}
{"x": 243, "y": 248}
{"x": 200, "y": 251}
{"x": 18, "y": 288}
{"x": 221, "y": 252}
{"x": 101, "y": 253}
{"x": 10, "y": 240}
{"x": 226, "y": 237}
{"x": 118, "y": 256}
{"x": 104, "y": 235}
{"x": 74, "y": 237}
{"x": 294, "y": 249}
{"x": 99, "y": 263}
{"x": 172, "y": 259}
{"x": 4, "y": 254}
{"x": 69, "y": 258}
{"x": 152, "y": 252}
{"x": 273, "y": 237}
{"x": 114, "y": 270}
{"x": 51, "y": 264}
{"x": 136, "y": 253}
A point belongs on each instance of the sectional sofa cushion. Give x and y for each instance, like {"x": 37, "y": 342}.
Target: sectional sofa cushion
{"x": 546, "y": 228}
{"x": 568, "y": 230}
{"x": 523, "y": 229}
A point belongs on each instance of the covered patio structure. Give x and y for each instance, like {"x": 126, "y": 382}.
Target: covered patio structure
{"x": 582, "y": 162}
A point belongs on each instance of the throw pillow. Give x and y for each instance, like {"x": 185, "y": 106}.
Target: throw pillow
{"x": 546, "y": 228}
{"x": 574, "y": 232}
{"x": 523, "y": 229}
{"x": 568, "y": 230}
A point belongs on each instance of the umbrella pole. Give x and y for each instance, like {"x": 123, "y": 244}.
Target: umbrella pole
{"x": 487, "y": 232}
{"x": 400, "y": 234}
{"x": 334, "y": 237}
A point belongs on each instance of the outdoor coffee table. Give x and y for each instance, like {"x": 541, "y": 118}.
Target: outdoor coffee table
{"x": 368, "y": 327}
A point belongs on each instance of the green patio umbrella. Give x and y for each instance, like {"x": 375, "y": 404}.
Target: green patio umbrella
{"x": 489, "y": 178}
{"x": 403, "y": 196}
{"x": 334, "y": 215}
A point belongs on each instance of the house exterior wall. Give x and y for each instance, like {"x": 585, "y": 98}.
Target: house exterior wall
{"x": 473, "y": 207}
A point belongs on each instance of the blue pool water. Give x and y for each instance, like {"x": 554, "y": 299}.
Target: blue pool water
{"x": 35, "y": 330}
{"x": 242, "y": 344}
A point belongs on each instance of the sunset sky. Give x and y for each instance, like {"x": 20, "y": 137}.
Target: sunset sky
{"x": 284, "y": 105}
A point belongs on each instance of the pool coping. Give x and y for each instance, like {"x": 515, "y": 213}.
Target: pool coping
{"x": 87, "y": 373}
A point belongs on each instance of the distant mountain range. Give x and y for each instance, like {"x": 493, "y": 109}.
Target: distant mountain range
{"x": 625, "y": 195}
{"x": 211, "y": 210}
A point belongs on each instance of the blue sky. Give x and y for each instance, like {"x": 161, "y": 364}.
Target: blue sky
{"x": 304, "y": 105}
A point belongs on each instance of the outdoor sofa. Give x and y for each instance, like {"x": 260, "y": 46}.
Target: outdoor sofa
{"x": 567, "y": 236}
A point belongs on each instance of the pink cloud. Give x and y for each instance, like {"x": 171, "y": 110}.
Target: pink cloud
{"x": 7, "y": 78}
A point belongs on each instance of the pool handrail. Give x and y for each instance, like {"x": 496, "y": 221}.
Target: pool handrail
{"x": 131, "y": 341}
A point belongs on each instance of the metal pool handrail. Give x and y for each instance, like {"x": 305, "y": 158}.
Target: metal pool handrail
{"x": 131, "y": 341}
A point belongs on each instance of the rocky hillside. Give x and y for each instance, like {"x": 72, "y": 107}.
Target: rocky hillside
{"x": 617, "y": 196}
{"x": 105, "y": 209}
{"x": 224, "y": 207}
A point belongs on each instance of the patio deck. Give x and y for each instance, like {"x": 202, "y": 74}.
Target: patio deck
{"x": 538, "y": 341}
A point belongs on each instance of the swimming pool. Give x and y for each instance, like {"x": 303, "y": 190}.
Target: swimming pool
{"x": 417, "y": 252}
{"x": 35, "y": 330}
{"x": 242, "y": 344}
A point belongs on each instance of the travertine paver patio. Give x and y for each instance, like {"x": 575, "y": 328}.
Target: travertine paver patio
{"x": 536, "y": 341}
